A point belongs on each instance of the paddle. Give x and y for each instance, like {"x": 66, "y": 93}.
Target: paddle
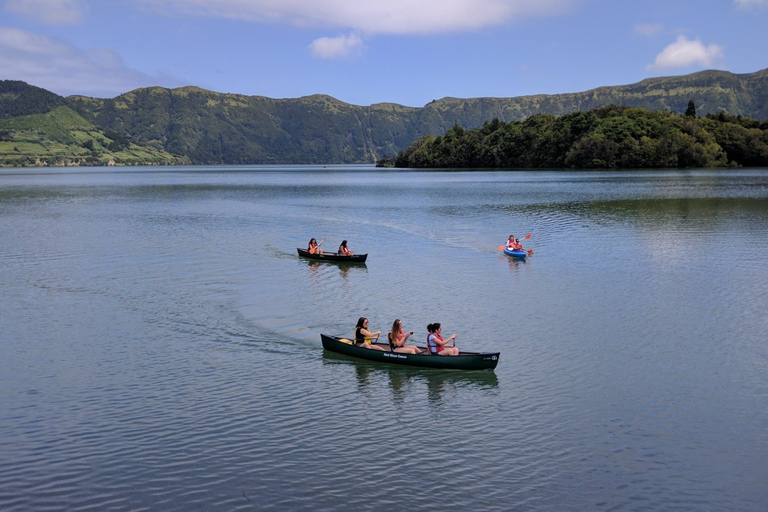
{"x": 312, "y": 251}
{"x": 524, "y": 238}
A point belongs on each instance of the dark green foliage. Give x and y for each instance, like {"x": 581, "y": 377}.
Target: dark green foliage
{"x": 20, "y": 99}
{"x": 609, "y": 137}
{"x": 119, "y": 141}
{"x": 691, "y": 110}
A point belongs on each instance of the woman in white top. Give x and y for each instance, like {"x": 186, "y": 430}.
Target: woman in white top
{"x": 436, "y": 343}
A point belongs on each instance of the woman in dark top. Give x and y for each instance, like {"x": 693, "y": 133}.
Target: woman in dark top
{"x": 363, "y": 336}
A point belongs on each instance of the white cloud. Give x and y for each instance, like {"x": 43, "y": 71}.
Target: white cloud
{"x": 369, "y": 16}
{"x": 332, "y": 47}
{"x": 49, "y": 12}
{"x": 746, "y": 4}
{"x": 61, "y": 68}
{"x": 684, "y": 53}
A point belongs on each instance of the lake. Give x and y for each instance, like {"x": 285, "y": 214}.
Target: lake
{"x": 161, "y": 340}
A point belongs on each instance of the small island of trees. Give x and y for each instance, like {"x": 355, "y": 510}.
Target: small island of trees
{"x": 610, "y": 137}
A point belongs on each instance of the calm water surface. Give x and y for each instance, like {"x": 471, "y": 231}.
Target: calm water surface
{"x": 161, "y": 347}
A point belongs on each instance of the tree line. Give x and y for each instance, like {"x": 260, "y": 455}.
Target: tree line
{"x": 609, "y": 137}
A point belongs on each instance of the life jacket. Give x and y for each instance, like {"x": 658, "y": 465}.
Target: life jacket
{"x": 433, "y": 347}
{"x": 359, "y": 338}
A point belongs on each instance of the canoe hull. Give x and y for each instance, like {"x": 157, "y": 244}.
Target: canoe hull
{"x": 515, "y": 254}
{"x": 464, "y": 361}
{"x": 332, "y": 256}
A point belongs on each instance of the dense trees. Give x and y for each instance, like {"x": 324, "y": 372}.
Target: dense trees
{"x": 607, "y": 137}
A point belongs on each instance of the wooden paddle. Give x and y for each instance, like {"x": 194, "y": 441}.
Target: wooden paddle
{"x": 524, "y": 238}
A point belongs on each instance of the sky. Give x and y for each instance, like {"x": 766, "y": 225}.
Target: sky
{"x": 364, "y": 52}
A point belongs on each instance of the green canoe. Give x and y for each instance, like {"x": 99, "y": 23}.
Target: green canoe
{"x": 463, "y": 361}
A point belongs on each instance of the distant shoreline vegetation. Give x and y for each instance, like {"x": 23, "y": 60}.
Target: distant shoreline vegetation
{"x": 611, "y": 137}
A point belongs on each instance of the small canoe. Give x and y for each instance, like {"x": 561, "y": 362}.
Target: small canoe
{"x": 515, "y": 253}
{"x": 332, "y": 256}
{"x": 463, "y": 361}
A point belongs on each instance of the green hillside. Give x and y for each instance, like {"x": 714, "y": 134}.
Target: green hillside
{"x": 207, "y": 127}
{"x": 62, "y": 137}
{"x": 213, "y": 128}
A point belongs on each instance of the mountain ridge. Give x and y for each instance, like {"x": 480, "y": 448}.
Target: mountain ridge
{"x": 208, "y": 127}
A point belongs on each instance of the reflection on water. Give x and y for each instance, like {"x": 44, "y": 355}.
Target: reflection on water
{"x": 344, "y": 268}
{"x": 405, "y": 381}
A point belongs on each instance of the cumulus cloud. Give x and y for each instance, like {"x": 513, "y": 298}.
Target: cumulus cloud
{"x": 61, "y": 68}
{"x": 49, "y": 12}
{"x": 369, "y": 16}
{"x": 332, "y": 47}
{"x": 746, "y": 4}
{"x": 685, "y": 52}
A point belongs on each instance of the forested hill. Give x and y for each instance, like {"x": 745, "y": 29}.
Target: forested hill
{"x": 608, "y": 137}
{"x": 208, "y": 127}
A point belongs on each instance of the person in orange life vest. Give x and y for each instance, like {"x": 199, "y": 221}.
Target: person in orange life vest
{"x": 363, "y": 336}
{"x": 313, "y": 248}
{"x": 436, "y": 344}
{"x": 344, "y": 250}
{"x": 514, "y": 243}
{"x": 397, "y": 339}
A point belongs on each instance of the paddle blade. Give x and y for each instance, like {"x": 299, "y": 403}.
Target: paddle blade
{"x": 530, "y": 251}
{"x": 501, "y": 247}
{"x": 527, "y": 236}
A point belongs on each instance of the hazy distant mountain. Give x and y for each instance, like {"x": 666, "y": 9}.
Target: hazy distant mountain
{"x": 211, "y": 127}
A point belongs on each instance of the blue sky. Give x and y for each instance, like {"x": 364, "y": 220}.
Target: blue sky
{"x": 371, "y": 51}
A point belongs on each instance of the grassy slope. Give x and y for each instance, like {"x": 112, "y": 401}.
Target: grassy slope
{"x": 63, "y": 137}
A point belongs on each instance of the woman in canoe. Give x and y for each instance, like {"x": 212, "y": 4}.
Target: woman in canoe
{"x": 344, "y": 250}
{"x": 313, "y": 247}
{"x": 397, "y": 339}
{"x": 363, "y": 336}
{"x": 436, "y": 344}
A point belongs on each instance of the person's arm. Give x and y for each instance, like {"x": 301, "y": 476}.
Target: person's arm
{"x": 369, "y": 334}
{"x": 445, "y": 341}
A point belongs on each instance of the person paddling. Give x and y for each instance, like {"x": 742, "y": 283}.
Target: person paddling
{"x": 436, "y": 343}
{"x": 363, "y": 336}
{"x": 314, "y": 248}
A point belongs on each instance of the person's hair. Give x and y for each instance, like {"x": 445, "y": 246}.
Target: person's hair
{"x": 361, "y": 321}
{"x": 434, "y": 327}
{"x": 397, "y": 330}
{"x": 312, "y": 240}
{"x": 343, "y": 243}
